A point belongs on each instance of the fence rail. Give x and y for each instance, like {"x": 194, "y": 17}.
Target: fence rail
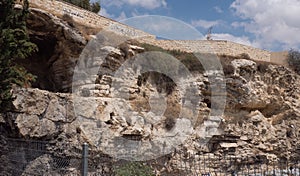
{"x": 28, "y": 157}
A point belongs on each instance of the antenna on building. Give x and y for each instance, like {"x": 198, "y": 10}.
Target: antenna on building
{"x": 208, "y": 34}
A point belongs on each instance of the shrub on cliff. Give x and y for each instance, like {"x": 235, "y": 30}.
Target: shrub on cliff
{"x": 294, "y": 60}
{"x": 15, "y": 44}
{"x": 86, "y": 4}
{"x": 95, "y": 7}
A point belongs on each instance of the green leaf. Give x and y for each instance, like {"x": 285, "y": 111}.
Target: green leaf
{"x": 14, "y": 44}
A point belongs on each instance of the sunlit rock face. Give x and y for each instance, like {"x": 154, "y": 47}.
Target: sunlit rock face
{"x": 143, "y": 115}
{"x": 59, "y": 48}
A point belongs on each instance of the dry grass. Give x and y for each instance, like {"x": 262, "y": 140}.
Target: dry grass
{"x": 188, "y": 59}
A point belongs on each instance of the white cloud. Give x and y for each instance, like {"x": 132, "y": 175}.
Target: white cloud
{"x": 164, "y": 27}
{"x": 224, "y": 36}
{"x": 147, "y": 4}
{"x": 218, "y": 9}
{"x": 205, "y": 23}
{"x": 122, "y": 16}
{"x": 103, "y": 12}
{"x": 272, "y": 21}
{"x": 135, "y": 13}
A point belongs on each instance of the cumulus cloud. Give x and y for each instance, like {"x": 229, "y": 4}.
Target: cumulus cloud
{"x": 135, "y": 13}
{"x": 204, "y": 23}
{"x": 122, "y": 16}
{"x": 224, "y": 36}
{"x": 164, "y": 27}
{"x": 103, "y": 12}
{"x": 147, "y": 4}
{"x": 271, "y": 21}
{"x": 218, "y": 9}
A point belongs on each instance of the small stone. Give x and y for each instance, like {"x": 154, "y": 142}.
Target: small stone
{"x": 228, "y": 145}
{"x": 244, "y": 138}
{"x": 256, "y": 116}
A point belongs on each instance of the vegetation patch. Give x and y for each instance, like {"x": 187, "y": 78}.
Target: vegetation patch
{"x": 15, "y": 44}
{"x": 134, "y": 169}
{"x": 188, "y": 59}
{"x": 86, "y": 4}
{"x": 294, "y": 60}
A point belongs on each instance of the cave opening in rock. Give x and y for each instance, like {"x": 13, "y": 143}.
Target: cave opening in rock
{"x": 59, "y": 46}
{"x": 38, "y": 63}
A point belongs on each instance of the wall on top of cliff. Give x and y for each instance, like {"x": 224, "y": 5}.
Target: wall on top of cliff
{"x": 213, "y": 46}
{"x": 88, "y": 18}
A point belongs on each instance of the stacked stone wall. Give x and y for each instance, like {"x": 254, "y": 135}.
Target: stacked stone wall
{"x": 213, "y": 46}
{"x": 88, "y": 18}
{"x": 91, "y": 19}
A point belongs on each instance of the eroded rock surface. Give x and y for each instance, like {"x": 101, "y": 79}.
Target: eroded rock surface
{"x": 148, "y": 113}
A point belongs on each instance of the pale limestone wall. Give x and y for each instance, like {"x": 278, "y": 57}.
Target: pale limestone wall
{"x": 88, "y": 18}
{"x": 213, "y": 46}
{"x": 280, "y": 58}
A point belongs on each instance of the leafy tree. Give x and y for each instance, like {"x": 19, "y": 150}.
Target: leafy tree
{"x": 14, "y": 44}
{"x": 94, "y": 7}
{"x": 294, "y": 60}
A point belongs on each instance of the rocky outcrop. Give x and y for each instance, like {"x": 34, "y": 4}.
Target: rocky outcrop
{"x": 126, "y": 113}
{"x": 261, "y": 116}
{"x": 60, "y": 45}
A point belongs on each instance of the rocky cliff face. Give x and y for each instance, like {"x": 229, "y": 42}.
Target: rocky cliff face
{"x": 60, "y": 44}
{"x": 261, "y": 116}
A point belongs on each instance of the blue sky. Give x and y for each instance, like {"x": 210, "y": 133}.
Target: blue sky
{"x": 267, "y": 24}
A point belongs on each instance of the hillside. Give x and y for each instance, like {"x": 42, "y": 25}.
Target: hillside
{"x": 145, "y": 99}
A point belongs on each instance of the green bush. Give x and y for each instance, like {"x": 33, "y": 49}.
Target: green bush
{"x": 93, "y": 6}
{"x": 14, "y": 44}
{"x": 134, "y": 169}
{"x": 294, "y": 60}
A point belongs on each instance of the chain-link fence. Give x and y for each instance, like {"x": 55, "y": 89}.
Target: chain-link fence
{"x": 28, "y": 157}
{"x": 34, "y": 158}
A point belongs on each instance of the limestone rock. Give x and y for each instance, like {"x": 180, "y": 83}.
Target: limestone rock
{"x": 118, "y": 113}
{"x": 256, "y": 116}
{"x": 112, "y": 51}
{"x": 60, "y": 45}
{"x": 27, "y": 124}
{"x": 228, "y": 145}
{"x": 31, "y": 102}
{"x": 30, "y": 125}
{"x": 40, "y": 166}
{"x": 55, "y": 111}
{"x": 241, "y": 66}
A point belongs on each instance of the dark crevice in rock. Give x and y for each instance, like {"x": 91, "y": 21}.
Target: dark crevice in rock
{"x": 59, "y": 48}
{"x": 38, "y": 63}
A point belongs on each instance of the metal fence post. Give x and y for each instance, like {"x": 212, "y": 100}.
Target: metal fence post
{"x": 85, "y": 150}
